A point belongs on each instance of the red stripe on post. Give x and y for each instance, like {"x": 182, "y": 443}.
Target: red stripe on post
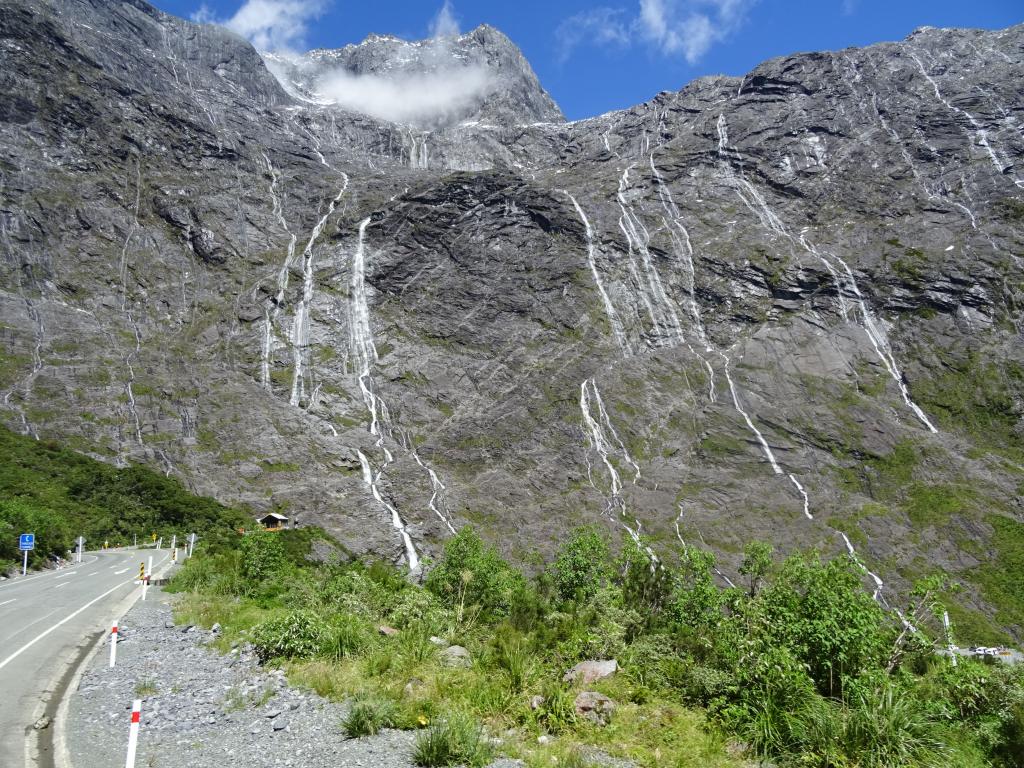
{"x": 136, "y": 716}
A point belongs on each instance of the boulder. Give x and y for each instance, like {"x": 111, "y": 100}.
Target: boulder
{"x": 387, "y": 631}
{"x": 595, "y": 707}
{"x": 456, "y": 656}
{"x": 587, "y": 672}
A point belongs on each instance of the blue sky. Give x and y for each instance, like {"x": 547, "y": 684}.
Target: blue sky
{"x": 602, "y": 55}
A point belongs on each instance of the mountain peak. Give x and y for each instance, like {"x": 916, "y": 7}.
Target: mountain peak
{"x": 480, "y": 76}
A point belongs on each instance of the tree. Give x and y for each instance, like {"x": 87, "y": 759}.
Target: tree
{"x": 472, "y": 574}
{"x": 696, "y": 602}
{"x": 582, "y": 566}
{"x": 823, "y": 614}
{"x": 262, "y": 555}
{"x": 757, "y": 562}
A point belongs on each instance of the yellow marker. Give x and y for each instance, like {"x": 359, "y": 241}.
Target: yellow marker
{"x": 142, "y": 571}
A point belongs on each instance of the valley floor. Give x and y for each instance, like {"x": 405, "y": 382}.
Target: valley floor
{"x": 205, "y": 710}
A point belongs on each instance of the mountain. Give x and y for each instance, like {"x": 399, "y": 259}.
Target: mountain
{"x": 785, "y": 306}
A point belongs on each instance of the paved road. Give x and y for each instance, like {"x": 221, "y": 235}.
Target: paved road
{"x": 43, "y": 620}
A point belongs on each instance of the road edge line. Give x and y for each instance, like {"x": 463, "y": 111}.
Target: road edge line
{"x": 58, "y": 733}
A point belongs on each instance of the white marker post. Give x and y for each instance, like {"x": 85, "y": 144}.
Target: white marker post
{"x": 113, "y": 646}
{"x": 174, "y": 541}
{"x": 949, "y": 637}
{"x": 24, "y": 564}
{"x": 191, "y": 544}
{"x": 133, "y": 733}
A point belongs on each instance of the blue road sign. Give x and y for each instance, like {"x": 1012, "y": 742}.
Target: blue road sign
{"x": 27, "y": 541}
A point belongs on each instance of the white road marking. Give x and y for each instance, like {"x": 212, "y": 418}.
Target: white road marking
{"x": 72, "y": 573}
{"x": 61, "y": 585}
{"x": 56, "y": 626}
{"x": 118, "y": 573}
{"x": 11, "y": 583}
{"x": 5, "y": 602}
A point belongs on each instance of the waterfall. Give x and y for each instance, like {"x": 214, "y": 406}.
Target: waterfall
{"x": 981, "y": 134}
{"x": 363, "y": 353}
{"x": 270, "y": 316}
{"x": 601, "y": 434}
{"x": 613, "y": 318}
{"x": 664, "y": 317}
{"x": 300, "y": 324}
{"x": 845, "y": 281}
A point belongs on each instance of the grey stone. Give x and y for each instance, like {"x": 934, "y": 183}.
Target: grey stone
{"x": 594, "y": 706}
{"x": 588, "y": 671}
{"x": 456, "y": 656}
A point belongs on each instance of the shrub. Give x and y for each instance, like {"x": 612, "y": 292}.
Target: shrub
{"x": 455, "y": 740}
{"x": 297, "y": 635}
{"x": 583, "y": 565}
{"x": 262, "y": 555}
{"x": 473, "y": 577}
{"x": 823, "y": 614}
{"x": 367, "y": 717}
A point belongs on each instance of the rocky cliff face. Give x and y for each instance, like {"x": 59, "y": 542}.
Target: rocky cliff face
{"x": 785, "y": 306}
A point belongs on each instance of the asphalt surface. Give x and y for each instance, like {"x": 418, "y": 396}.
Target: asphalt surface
{"x": 44, "y": 619}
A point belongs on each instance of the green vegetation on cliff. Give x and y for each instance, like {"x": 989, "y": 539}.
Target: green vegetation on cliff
{"x": 59, "y": 494}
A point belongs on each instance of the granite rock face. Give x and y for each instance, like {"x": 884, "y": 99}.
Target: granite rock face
{"x": 784, "y": 306}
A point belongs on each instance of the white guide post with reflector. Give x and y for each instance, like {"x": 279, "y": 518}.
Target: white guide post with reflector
{"x": 133, "y": 734}
{"x": 113, "y": 646}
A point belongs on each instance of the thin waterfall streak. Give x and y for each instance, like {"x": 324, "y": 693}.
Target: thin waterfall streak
{"x": 300, "y": 323}
{"x": 613, "y": 318}
{"x": 770, "y": 220}
{"x": 371, "y": 481}
{"x": 270, "y": 317}
{"x": 800, "y": 489}
{"x": 981, "y": 134}
{"x": 765, "y": 448}
{"x": 879, "y": 584}
{"x": 599, "y": 442}
{"x": 437, "y": 490}
{"x": 363, "y": 353}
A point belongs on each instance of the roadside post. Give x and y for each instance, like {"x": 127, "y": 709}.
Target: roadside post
{"x": 949, "y": 637}
{"x": 174, "y": 541}
{"x": 191, "y": 544}
{"x": 26, "y": 543}
{"x": 81, "y": 545}
{"x": 113, "y": 646}
{"x": 133, "y": 733}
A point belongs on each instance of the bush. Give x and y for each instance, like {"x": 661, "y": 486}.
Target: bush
{"x": 297, "y": 635}
{"x": 262, "y": 555}
{"x": 367, "y": 717}
{"x": 582, "y": 566}
{"x": 455, "y": 740}
{"x": 473, "y": 577}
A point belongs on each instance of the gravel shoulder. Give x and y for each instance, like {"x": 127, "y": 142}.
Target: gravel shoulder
{"x": 204, "y": 710}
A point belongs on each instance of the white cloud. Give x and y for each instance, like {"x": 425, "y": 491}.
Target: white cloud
{"x": 270, "y": 25}
{"x": 674, "y": 27}
{"x": 690, "y": 27}
{"x": 407, "y": 97}
{"x": 445, "y": 24}
{"x": 600, "y": 26}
